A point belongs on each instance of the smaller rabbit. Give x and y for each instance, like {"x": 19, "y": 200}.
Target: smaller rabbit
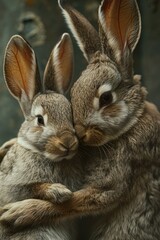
{"x": 40, "y": 159}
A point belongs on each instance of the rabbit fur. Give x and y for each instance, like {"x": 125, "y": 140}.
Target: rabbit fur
{"x": 33, "y": 166}
{"x": 118, "y": 130}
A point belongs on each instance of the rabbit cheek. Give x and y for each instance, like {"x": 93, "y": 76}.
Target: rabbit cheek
{"x": 34, "y": 134}
{"x": 114, "y": 111}
{"x": 52, "y": 148}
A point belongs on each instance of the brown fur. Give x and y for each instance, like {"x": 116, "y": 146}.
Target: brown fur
{"x": 122, "y": 170}
{"x": 37, "y": 164}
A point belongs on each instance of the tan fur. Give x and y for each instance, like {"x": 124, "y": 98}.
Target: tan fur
{"x": 37, "y": 163}
{"x": 122, "y": 172}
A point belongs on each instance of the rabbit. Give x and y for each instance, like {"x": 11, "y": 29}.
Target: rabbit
{"x": 118, "y": 133}
{"x": 41, "y": 159}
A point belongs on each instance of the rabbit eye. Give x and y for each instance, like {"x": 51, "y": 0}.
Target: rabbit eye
{"x": 40, "y": 120}
{"x": 105, "y": 99}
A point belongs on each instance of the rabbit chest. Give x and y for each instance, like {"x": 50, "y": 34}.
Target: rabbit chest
{"x": 20, "y": 167}
{"x": 134, "y": 168}
{"x": 99, "y": 162}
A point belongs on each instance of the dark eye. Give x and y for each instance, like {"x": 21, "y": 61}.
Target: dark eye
{"x": 40, "y": 120}
{"x": 105, "y": 99}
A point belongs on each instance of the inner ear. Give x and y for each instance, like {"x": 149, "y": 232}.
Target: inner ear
{"x": 121, "y": 23}
{"x": 21, "y": 72}
{"x": 59, "y": 69}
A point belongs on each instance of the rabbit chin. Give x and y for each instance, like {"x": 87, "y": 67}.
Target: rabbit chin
{"x": 58, "y": 158}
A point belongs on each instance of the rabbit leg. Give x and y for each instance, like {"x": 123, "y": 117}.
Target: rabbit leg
{"x": 35, "y": 212}
{"x": 55, "y": 192}
{"x": 88, "y": 200}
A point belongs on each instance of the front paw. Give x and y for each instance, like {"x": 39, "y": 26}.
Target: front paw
{"x": 57, "y": 193}
{"x": 26, "y": 213}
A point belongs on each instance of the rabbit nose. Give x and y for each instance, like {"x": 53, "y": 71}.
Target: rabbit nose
{"x": 65, "y": 144}
{"x": 68, "y": 142}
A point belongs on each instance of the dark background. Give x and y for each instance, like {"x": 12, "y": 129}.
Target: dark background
{"x": 41, "y": 23}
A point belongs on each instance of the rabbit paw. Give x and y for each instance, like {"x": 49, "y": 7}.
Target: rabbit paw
{"x": 25, "y": 213}
{"x": 56, "y": 193}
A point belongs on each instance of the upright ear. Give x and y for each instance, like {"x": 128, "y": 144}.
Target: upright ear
{"x": 121, "y": 23}
{"x": 59, "y": 69}
{"x": 84, "y": 33}
{"x": 21, "y": 72}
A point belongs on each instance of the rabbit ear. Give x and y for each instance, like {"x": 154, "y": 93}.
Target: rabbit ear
{"x": 59, "y": 69}
{"x": 84, "y": 33}
{"x": 21, "y": 73}
{"x": 121, "y": 22}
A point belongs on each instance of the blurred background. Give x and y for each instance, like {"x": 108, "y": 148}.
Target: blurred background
{"x": 41, "y": 23}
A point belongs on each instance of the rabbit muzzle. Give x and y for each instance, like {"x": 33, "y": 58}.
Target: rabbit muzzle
{"x": 91, "y": 135}
{"x": 64, "y": 146}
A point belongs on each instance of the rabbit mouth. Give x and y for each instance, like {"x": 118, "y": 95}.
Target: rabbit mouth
{"x": 91, "y": 136}
{"x": 62, "y": 147}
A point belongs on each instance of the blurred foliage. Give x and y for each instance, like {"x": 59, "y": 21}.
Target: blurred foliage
{"x": 41, "y": 23}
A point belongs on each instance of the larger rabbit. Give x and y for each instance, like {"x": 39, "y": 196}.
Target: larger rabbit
{"x": 110, "y": 116}
{"x": 33, "y": 167}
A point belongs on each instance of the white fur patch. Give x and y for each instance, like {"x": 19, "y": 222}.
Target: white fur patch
{"x": 96, "y": 103}
{"x": 50, "y": 131}
{"x": 45, "y": 117}
{"x": 114, "y": 95}
{"x": 104, "y": 88}
{"x": 124, "y": 111}
{"x": 37, "y": 110}
{"x": 27, "y": 145}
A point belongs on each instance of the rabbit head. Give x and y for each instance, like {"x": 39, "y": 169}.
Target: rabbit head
{"x": 106, "y": 99}
{"x": 47, "y": 128}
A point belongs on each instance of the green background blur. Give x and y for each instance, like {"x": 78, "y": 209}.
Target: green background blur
{"x": 41, "y": 23}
